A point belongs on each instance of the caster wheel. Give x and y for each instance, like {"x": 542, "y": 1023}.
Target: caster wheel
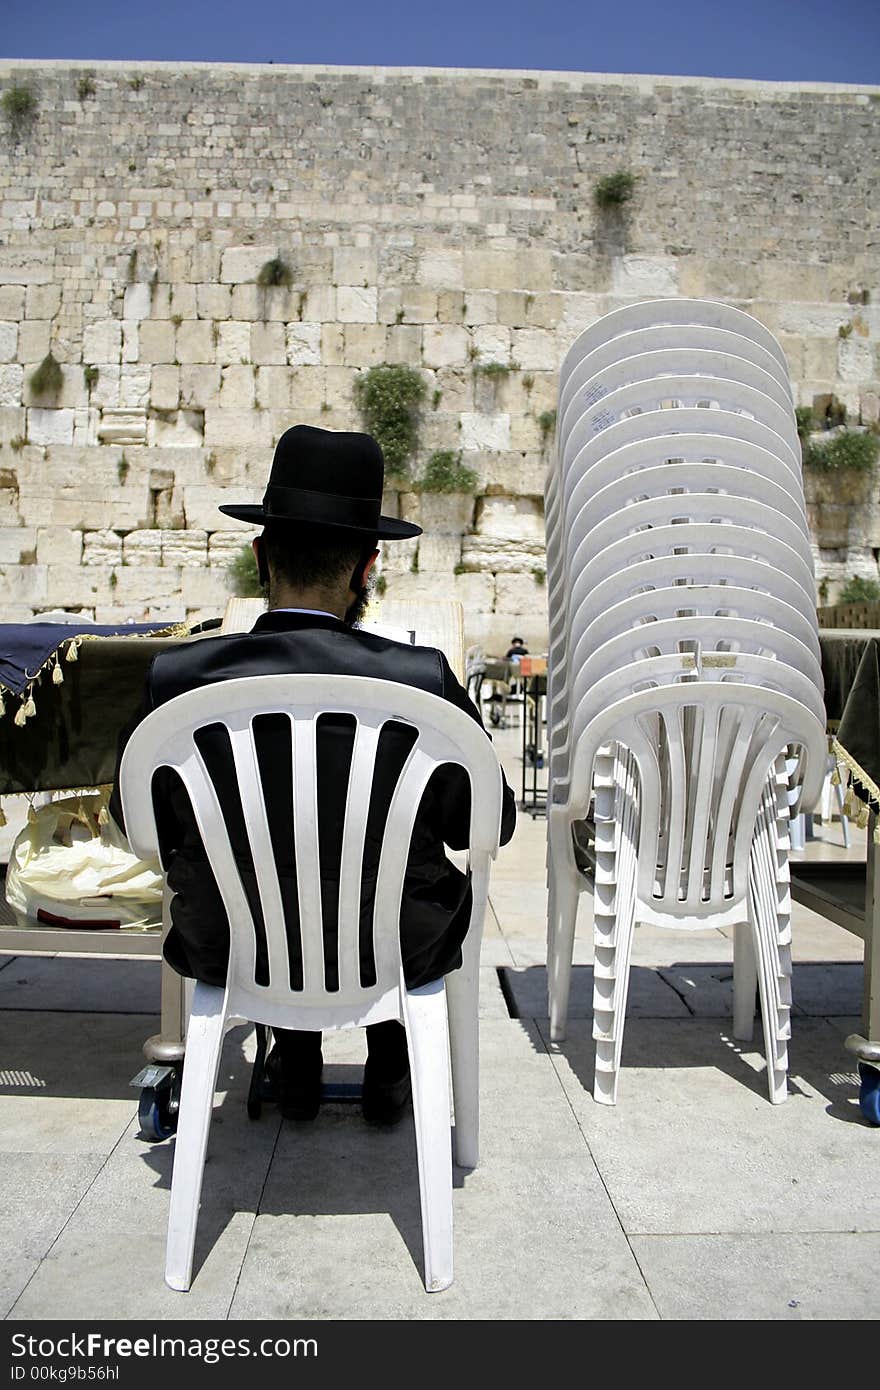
{"x": 869, "y": 1093}
{"x": 155, "y": 1116}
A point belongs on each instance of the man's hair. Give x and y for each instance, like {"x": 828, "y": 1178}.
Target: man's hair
{"x": 305, "y": 556}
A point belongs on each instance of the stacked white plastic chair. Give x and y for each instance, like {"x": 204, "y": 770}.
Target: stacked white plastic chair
{"x": 684, "y": 655}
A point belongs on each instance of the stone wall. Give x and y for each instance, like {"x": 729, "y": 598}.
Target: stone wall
{"x": 439, "y": 219}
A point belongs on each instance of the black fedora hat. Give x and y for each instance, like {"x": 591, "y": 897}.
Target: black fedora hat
{"x": 326, "y": 478}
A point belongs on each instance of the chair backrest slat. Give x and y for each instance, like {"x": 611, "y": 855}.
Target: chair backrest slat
{"x": 361, "y": 772}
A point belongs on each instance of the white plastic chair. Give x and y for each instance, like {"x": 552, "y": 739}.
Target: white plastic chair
{"x": 684, "y": 837}
{"x": 443, "y": 734}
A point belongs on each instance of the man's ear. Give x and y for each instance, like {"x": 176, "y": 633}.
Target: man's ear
{"x": 260, "y": 557}
{"x": 361, "y": 573}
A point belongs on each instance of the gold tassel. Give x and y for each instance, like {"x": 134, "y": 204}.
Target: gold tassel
{"x": 32, "y": 814}
{"x": 71, "y": 654}
{"x": 835, "y": 778}
{"x": 2, "y": 816}
{"x": 30, "y": 708}
{"x": 103, "y": 816}
{"x": 57, "y": 673}
{"x": 20, "y": 716}
{"x": 863, "y": 818}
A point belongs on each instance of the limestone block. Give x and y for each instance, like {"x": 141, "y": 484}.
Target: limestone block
{"x": 156, "y": 341}
{"x": 187, "y": 549}
{"x": 869, "y": 407}
{"x": 10, "y": 514}
{"x": 165, "y": 388}
{"x": 201, "y": 501}
{"x": 12, "y": 302}
{"x": 444, "y": 513}
{"x": 16, "y": 541}
{"x": 208, "y": 589}
{"x": 141, "y": 548}
{"x": 234, "y": 343}
{"x": 145, "y": 584}
{"x": 578, "y": 312}
{"x": 195, "y": 341}
{"x": 273, "y": 388}
{"x": 237, "y": 389}
{"x": 11, "y": 385}
{"x": 397, "y": 557}
{"x": 490, "y": 270}
{"x": 364, "y": 344}
{"x": 102, "y": 341}
{"x": 50, "y": 426}
{"x": 404, "y": 344}
{"x": 23, "y": 584}
{"x": 34, "y": 339}
{"x": 522, "y": 593}
{"x": 134, "y": 386}
{"x": 21, "y": 265}
{"x": 441, "y": 268}
{"x": 332, "y": 344}
{"x": 131, "y": 340}
{"x": 475, "y": 592}
{"x": 127, "y": 426}
{"x": 73, "y": 387}
{"x": 355, "y": 304}
{"x": 75, "y": 586}
{"x": 439, "y": 554}
{"x": 43, "y": 301}
{"x": 418, "y": 305}
{"x": 354, "y": 265}
{"x": 308, "y": 387}
{"x": 12, "y": 423}
{"x": 543, "y": 310}
{"x": 444, "y": 345}
{"x": 242, "y": 264}
{"x": 501, "y": 555}
{"x": 182, "y": 301}
{"x": 492, "y": 343}
{"x": 199, "y": 386}
{"x": 319, "y": 305}
{"x": 104, "y": 547}
{"x": 639, "y": 277}
{"x": 58, "y": 545}
{"x": 213, "y": 302}
{"x": 456, "y": 387}
{"x": 819, "y": 359}
{"x": 484, "y": 431}
{"x": 85, "y": 425}
{"x": 184, "y": 429}
{"x": 304, "y": 344}
{"x": 268, "y": 344}
{"x": 279, "y": 303}
{"x": 247, "y": 303}
{"x": 480, "y": 307}
{"x": 450, "y": 306}
{"x": 137, "y": 302}
{"x": 411, "y": 587}
{"x": 808, "y": 320}
{"x": 855, "y": 360}
{"x": 8, "y": 341}
{"x": 223, "y": 546}
{"x": 511, "y": 518}
{"x": 536, "y": 349}
{"x": 168, "y": 510}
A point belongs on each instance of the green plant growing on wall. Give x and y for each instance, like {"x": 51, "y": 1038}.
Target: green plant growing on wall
{"x": 445, "y": 472}
{"x": 823, "y": 592}
{"x": 547, "y": 425}
{"x": 244, "y": 575}
{"x": 845, "y": 331}
{"x": 860, "y": 590}
{"x": 19, "y": 104}
{"x": 388, "y": 398}
{"x": 136, "y": 82}
{"x": 495, "y": 371}
{"x": 380, "y": 585}
{"x": 90, "y": 377}
{"x": 86, "y": 88}
{"x": 614, "y": 191}
{"x": 436, "y": 398}
{"x": 17, "y": 443}
{"x": 275, "y": 273}
{"x": 122, "y": 468}
{"x": 849, "y": 450}
{"x": 806, "y": 422}
{"x": 47, "y": 380}
{"x": 539, "y": 575}
{"x": 131, "y": 269}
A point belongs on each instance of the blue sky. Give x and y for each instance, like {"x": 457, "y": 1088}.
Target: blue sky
{"x": 784, "y": 40}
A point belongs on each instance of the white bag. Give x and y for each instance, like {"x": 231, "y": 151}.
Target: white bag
{"x": 71, "y": 862}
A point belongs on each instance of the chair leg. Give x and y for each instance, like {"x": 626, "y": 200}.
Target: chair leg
{"x": 204, "y": 1042}
{"x": 463, "y": 1006}
{"x": 563, "y": 893}
{"x": 745, "y": 981}
{"x": 427, "y": 1039}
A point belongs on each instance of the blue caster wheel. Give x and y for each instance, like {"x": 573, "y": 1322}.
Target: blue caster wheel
{"x": 154, "y": 1114}
{"x": 869, "y": 1093}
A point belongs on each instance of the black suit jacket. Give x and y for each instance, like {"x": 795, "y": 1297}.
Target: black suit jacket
{"x": 436, "y": 903}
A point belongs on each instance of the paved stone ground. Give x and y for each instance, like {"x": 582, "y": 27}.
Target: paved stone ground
{"x": 693, "y": 1198}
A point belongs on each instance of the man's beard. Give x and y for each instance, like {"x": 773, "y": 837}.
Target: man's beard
{"x": 356, "y": 609}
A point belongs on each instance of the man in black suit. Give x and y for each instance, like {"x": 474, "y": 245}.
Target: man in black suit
{"x": 321, "y": 519}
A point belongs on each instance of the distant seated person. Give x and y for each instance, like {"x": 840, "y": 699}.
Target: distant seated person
{"x": 516, "y": 649}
